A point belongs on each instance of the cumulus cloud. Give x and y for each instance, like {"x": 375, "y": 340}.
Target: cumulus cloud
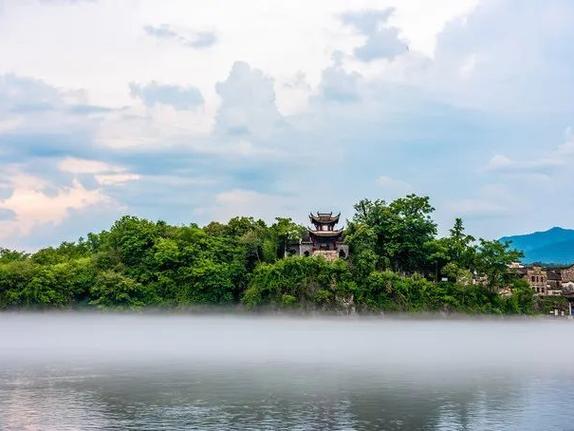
{"x": 22, "y": 95}
{"x": 382, "y": 41}
{"x": 41, "y": 120}
{"x": 33, "y": 201}
{"x": 153, "y": 93}
{"x": 505, "y": 56}
{"x": 186, "y": 37}
{"x": 247, "y": 103}
{"x": 500, "y": 70}
{"x": 339, "y": 85}
{"x": 105, "y": 174}
{"x": 19, "y": 95}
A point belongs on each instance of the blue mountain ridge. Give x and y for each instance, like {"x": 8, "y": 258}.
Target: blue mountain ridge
{"x": 553, "y": 246}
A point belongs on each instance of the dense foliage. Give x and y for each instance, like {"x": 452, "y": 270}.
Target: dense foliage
{"x": 396, "y": 263}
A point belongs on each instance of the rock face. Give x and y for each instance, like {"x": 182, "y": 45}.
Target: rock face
{"x": 329, "y": 255}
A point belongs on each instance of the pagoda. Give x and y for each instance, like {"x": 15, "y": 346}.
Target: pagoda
{"x": 325, "y": 236}
{"x": 322, "y": 239}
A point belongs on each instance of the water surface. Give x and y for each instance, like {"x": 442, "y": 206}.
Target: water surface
{"x": 135, "y": 372}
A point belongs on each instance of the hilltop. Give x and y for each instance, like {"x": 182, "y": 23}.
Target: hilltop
{"x": 553, "y": 246}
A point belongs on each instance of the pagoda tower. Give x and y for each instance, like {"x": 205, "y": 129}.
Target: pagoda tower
{"x": 322, "y": 239}
{"x": 325, "y": 236}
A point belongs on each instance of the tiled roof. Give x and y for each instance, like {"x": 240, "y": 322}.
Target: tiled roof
{"x": 324, "y": 218}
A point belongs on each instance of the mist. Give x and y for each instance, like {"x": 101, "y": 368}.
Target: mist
{"x": 366, "y": 343}
{"x": 72, "y": 371}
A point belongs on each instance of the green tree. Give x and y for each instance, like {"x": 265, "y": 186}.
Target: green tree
{"x": 453, "y": 256}
{"x": 207, "y": 282}
{"x": 492, "y": 261}
{"x": 285, "y": 231}
{"x": 114, "y": 290}
{"x": 7, "y": 255}
{"x": 401, "y": 229}
{"x": 521, "y": 300}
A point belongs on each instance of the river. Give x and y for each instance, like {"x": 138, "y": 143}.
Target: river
{"x": 67, "y": 371}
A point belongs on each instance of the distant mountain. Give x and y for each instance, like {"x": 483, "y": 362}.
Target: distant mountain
{"x": 555, "y": 245}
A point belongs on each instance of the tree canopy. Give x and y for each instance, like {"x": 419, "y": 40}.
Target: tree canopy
{"x": 397, "y": 263}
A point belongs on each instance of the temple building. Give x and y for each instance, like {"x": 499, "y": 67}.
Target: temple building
{"x": 322, "y": 239}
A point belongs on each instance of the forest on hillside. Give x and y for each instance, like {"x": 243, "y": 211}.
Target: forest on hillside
{"x": 397, "y": 263}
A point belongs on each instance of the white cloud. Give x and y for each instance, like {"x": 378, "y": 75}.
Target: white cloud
{"x": 186, "y": 37}
{"x": 273, "y": 117}
{"x": 394, "y": 187}
{"x": 500, "y": 163}
{"x": 300, "y": 42}
{"x": 468, "y": 66}
{"x": 382, "y": 40}
{"x": 180, "y": 98}
{"x": 115, "y": 179}
{"x": 548, "y": 163}
{"x": 478, "y": 207}
{"x": 105, "y": 174}
{"x": 493, "y": 200}
{"x": 247, "y": 103}
{"x": 567, "y": 148}
{"x": 74, "y": 165}
{"x": 33, "y": 204}
{"x": 237, "y": 202}
{"x": 10, "y": 124}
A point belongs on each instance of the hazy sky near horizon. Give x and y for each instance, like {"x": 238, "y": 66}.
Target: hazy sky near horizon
{"x": 192, "y": 111}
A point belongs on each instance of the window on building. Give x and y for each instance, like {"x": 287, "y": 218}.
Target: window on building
{"x": 532, "y": 279}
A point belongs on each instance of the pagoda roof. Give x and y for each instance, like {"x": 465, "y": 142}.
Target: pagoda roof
{"x": 324, "y": 218}
{"x": 326, "y": 233}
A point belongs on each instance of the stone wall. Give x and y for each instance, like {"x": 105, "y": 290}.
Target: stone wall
{"x": 329, "y": 255}
{"x": 306, "y": 249}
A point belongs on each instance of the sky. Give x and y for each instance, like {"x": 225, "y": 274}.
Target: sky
{"x": 196, "y": 111}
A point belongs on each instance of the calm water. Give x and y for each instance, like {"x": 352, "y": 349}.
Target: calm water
{"x": 111, "y": 372}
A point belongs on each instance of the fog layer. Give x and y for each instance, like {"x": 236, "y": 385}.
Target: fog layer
{"x": 369, "y": 343}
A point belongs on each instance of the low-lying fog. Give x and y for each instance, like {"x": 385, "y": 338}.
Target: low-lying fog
{"x": 220, "y": 339}
{"x": 67, "y": 371}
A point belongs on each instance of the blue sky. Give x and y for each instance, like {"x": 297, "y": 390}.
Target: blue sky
{"x": 194, "y": 111}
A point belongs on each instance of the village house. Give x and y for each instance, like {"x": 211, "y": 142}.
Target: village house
{"x": 549, "y": 281}
{"x": 567, "y": 274}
